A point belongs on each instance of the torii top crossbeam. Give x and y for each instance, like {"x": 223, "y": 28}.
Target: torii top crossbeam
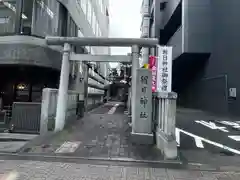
{"x": 101, "y": 41}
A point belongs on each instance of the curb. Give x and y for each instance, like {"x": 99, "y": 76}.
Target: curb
{"x": 208, "y": 167}
{"x": 173, "y": 164}
{"x": 169, "y": 164}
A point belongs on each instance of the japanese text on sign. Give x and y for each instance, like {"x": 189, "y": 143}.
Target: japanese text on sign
{"x": 164, "y": 80}
{"x": 144, "y": 99}
{"x": 153, "y": 67}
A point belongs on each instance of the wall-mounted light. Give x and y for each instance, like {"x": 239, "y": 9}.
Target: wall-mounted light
{"x": 21, "y": 86}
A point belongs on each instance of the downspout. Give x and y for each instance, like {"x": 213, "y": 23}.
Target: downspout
{"x": 18, "y": 20}
{"x": 145, "y": 29}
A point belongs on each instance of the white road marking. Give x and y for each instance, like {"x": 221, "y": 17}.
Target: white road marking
{"x": 212, "y": 125}
{"x": 199, "y": 143}
{"x": 177, "y": 132}
{"x": 113, "y": 109}
{"x": 68, "y": 147}
{"x": 230, "y": 123}
{"x": 235, "y": 138}
{"x": 211, "y": 142}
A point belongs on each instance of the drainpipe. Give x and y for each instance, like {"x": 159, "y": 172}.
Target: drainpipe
{"x": 145, "y": 28}
{"x": 18, "y": 19}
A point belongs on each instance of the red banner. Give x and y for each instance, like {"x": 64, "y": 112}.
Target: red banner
{"x": 153, "y": 67}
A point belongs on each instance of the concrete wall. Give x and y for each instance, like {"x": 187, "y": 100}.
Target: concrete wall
{"x": 224, "y": 59}
{"x": 207, "y": 27}
{"x": 197, "y": 25}
{"x": 169, "y": 10}
{"x": 43, "y": 25}
{"x": 210, "y": 90}
{"x": 29, "y": 51}
{"x": 177, "y": 43}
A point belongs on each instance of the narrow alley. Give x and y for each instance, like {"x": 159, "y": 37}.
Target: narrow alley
{"x": 102, "y": 133}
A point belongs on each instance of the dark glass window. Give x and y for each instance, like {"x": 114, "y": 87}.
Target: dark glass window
{"x": 163, "y": 6}
{"x": 8, "y": 17}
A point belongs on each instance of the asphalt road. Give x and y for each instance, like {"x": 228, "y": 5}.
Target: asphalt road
{"x": 200, "y": 130}
{"x": 205, "y": 138}
{"x": 201, "y": 133}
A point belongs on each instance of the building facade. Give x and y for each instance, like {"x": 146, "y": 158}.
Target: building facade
{"x": 27, "y": 64}
{"x": 204, "y": 36}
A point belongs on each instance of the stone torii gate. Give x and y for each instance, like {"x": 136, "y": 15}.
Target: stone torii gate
{"x": 138, "y": 127}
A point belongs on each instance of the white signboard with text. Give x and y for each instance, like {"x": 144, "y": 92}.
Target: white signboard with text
{"x": 164, "y": 69}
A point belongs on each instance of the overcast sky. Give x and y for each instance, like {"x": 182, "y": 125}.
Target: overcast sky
{"x": 125, "y": 20}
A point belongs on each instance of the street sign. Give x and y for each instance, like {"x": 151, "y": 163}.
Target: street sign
{"x": 164, "y": 69}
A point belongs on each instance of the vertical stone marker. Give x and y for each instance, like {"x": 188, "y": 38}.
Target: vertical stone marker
{"x": 142, "y": 115}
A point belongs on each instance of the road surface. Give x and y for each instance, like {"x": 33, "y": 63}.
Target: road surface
{"x": 203, "y": 137}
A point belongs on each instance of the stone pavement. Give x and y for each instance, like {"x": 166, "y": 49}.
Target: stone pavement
{"x": 99, "y": 135}
{"x": 12, "y": 142}
{"x": 34, "y": 170}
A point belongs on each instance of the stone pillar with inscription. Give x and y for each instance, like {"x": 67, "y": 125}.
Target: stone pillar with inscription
{"x": 142, "y": 111}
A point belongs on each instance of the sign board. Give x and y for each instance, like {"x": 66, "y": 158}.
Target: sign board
{"x": 233, "y": 92}
{"x": 143, "y": 107}
{"x": 164, "y": 69}
{"x": 153, "y": 67}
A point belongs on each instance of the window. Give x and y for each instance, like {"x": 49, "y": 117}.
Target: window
{"x": 62, "y": 20}
{"x": 92, "y": 51}
{"x": 84, "y": 6}
{"x": 100, "y": 5}
{"x": 89, "y": 12}
{"x": 94, "y": 20}
{"x": 163, "y": 6}
{"x": 80, "y": 34}
{"x": 97, "y": 29}
{"x": 88, "y": 49}
{"x": 4, "y": 20}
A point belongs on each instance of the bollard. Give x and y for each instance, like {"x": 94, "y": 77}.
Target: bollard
{"x": 166, "y": 118}
{"x": 80, "y": 106}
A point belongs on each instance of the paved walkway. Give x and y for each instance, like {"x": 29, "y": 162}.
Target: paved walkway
{"x": 103, "y": 133}
{"x": 33, "y": 170}
{"x": 12, "y": 142}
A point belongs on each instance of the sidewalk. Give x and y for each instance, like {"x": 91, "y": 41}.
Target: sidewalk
{"x": 34, "y": 170}
{"x": 103, "y": 133}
